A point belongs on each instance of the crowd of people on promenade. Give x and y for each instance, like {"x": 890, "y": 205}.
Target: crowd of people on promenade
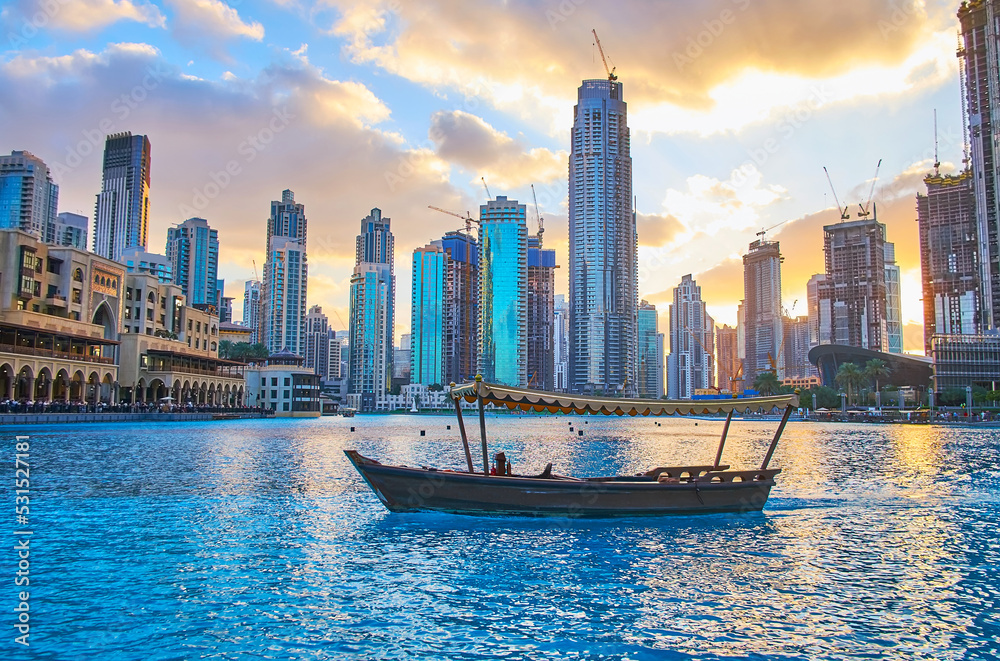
{"x": 29, "y": 406}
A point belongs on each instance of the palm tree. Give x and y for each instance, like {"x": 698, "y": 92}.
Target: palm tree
{"x": 876, "y": 369}
{"x": 767, "y": 383}
{"x": 225, "y": 346}
{"x": 849, "y": 376}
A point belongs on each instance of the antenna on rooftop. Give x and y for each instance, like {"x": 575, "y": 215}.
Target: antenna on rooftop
{"x": 937, "y": 161}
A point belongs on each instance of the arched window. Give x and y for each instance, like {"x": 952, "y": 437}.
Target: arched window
{"x": 78, "y": 275}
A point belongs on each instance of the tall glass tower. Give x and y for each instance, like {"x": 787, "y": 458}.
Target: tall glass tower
{"x": 603, "y": 246}
{"x": 286, "y": 277}
{"x": 373, "y": 300}
{"x": 978, "y": 54}
{"x": 121, "y": 216}
{"x": 193, "y": 251}
{"x": 427, "y": 317}
{"x": 503, "y": 292}
{"x": 461, "y": 309}
{"x": 28, "y": 198}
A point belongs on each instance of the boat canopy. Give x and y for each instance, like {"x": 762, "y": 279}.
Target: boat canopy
{"x": 540, "y": 400}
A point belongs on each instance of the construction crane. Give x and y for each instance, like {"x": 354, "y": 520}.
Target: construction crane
{"x": 541, "y": 227}
{"x": 488, "y": 196}
{"x": 864, "y": 213}
{"x": 763, "y": 233}
{"x": 254, "y": 262}
{"x": 467, "y": 218}
{"x": 843, "y": 210}
{"x": 611, "y": 72}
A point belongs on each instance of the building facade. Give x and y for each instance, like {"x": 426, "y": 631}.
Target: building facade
{"x": 28, "y": 197}
{"x": 560, "y": 344}
{"x": 121, "y": 215}
{"x": 650, "y": 363}
{"x": 193, "y": 251}
{"x": 461, "y": 309}
{"x": 137, "y": 260}
{"x": 690, "y": 364}
{"x": 60, "y": 319}
{"x": 283, "y": 385}
{"x": 69, "y": 229}
{"x": 541, "y": 315}
{"x": 961, "y": 361}
{"x": 795, "y": 348}
{"x": 852, "y": 297}
{"x": 251, "y": 309}
{"x": 603, "y": 245}
{"x": 373, "y": 298}
{"x": 728, "y": 359}
{"x": 427, "y": 321}
{"x": 980, "y": 72}
{"x": 949, "y": 256}
{"x": 317, "y": 356}
{"x": 762, "y": 309}
{"x": 503, "y": 292}
{"x": 286, "y": 277}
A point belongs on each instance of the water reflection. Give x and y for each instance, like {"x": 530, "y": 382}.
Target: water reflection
{"x": 259, "y": 539}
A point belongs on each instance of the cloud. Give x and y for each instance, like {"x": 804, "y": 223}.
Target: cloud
{"x": 290, "y": 127}
{"x": 209, "y": 22}
{"x": 85, "y": 15}
{"x": 682, "y": 63}
{"x": 657, "y": 229}
{"x": 709, "y": 205}
{"x": 470, "y": 142}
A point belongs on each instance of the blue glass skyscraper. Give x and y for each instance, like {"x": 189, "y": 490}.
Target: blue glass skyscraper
{"x": 603, "y": 246}
{"x": 193, "y": 251}
{"x": 286, "y": 274}
{"x": 121, "y": 216}
{"x": 28, "y": 198}
{"x": 428, "y": 318}
{"x": 373, "y": 301}
{"x": 503, "y": 292}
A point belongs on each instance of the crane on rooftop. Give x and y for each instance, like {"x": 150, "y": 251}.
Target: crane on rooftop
{"x": 488, "y": 196}
{"x": 467, "y": 217}
{"x": 611, "y": 72}
{"x": 541, "y": 227}
{"x": 843, "y": 210}
{"x": 864, "y": 213}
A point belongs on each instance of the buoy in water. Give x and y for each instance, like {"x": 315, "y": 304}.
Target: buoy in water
{"x": 580, "y": 432}
{"x": 352, "y": 428}
{"x": 423, "y": 432}
{"x": 449, "y": 427}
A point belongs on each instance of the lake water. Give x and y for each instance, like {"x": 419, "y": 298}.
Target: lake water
{"x": 257, "y": 539}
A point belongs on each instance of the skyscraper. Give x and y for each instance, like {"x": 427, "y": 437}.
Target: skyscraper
{"x": 503, "y": 292}
{"x": 949, "y": 256}
{"x": 373, "y": 299}
{"x": 819, "y": 332}
{"x": 603, "y": 247}
{"x": 251, "y": 309}
{"x": 318, "y": 342}
{"x": 461, "y": 309}
{"x": 852, "y": 297}
{"x": 69, "y": 229}
{"x": 649, "y": 363}
{"x": 762, "y": 309}
{"x": 795, "y": 348}
{"x": 690, "y": 364}
{"x": 560, "y": 345}
{"x": 28, "y": 198}
{"x": 728, "y": 357}
{"x": 541, "y": 312}
{"x": 980, "y": 78}
{"x": 121, "y": 216}
{"x": 286, "y": 276}
{"x": 428, "y": 315}
{"x": 193, "y": 251}
{"x": 893, "y": 302}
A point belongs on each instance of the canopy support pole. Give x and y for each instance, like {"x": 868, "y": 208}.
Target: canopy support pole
{"x": 777, "y": 435}
{"x": 482, "y": 434}
{"x": 722, "y": 441}
{"x": 465, "y": 439}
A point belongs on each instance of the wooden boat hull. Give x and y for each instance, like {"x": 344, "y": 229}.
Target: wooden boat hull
{"x": 404, "y": 489}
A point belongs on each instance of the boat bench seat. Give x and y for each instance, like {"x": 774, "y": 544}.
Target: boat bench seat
{"x": 678, "y": 472}
{"x": 720, "y": 477}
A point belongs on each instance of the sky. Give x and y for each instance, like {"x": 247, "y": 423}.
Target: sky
{"x": 735, "y": 107}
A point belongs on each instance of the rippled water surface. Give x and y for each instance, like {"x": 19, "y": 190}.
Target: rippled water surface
{"x": 257, "y": 539}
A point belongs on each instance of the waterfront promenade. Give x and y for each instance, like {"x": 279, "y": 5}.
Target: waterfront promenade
{"x": 12, "y": 413}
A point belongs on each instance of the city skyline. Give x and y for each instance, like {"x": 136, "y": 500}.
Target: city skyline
{"x": 743, "y": 150}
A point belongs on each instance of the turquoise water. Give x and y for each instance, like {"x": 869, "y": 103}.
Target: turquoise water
{"x": 257, "y": 539}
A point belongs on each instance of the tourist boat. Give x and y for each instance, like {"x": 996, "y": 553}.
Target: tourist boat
{"x": 661, "y": 490}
